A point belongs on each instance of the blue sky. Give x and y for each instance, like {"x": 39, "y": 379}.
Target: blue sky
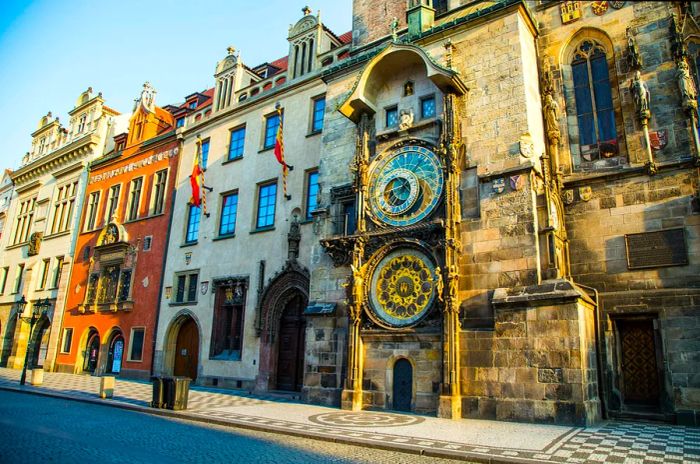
{"x": 51, "y": 51}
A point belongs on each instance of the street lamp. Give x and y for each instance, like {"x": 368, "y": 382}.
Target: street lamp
{"x": 39, "y": 309}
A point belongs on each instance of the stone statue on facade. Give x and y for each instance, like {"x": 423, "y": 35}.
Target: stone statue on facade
{"x": 34, "y": 243}
{"x": 634, "y": 58}
{"x": 686, "y": 86}
{"x": 551, "y": 117}
{"x": 406, "y": 119}
{"x": 148, "y": 97}
{"x": 640, "y": 93}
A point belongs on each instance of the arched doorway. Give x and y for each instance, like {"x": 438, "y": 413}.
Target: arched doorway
{"x": 40, "y": 343}
{"x": 290, "y": 350}
{"x": 115, "y": 354}
{"x": 92, "y": 351}
{"x": 187, "y": 350}
{"x": 403, "y": 385}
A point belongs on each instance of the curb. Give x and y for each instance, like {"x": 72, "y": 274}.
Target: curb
{"x": 407, "y": 449}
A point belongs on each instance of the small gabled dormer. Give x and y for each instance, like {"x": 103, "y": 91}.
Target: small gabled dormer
{"x": 148, "y": 120}
{"x": 304, "y": 42}
{"x": 45, "y": 138}
{"x": 228, "y": 78}
{"x": 85, "y": 115}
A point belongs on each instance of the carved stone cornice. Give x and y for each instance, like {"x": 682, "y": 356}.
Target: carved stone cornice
{"x": 55, "y": 161}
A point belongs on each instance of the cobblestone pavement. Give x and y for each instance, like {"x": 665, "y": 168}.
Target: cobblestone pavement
{"x": 42, "y": 429}
{"x": 609, "y": 442}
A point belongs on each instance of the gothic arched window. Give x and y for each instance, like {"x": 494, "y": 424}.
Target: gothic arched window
{"x": 595, "y": 112}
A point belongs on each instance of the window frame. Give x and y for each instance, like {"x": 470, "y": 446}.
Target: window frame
{"x": 152, "y": 207}
{"x": 130, "y": 357}
{"x": 188, "y": 224}
{"x": 134, "y": 202}
{"x": 266, "y": 127}
{"x": 223, "y": 197}
{"x": 66, "y": 330}
{"x": 387, "y": 111}
{"x": 58, "y": 270}
{"x": 424, "y": 99}
{"x": 107, "y": 214}
{"x": 90, "y": 221}
{"x": 187, "y": 283}
{"x": 258, "y": 205}
{"x": 19, "y": 276}
{"x": 44, "y": 276}
{"x": 64, "y": 206}
{"x": 24, "y": 220}
{"x": 204, "y": 153}
{"x": 232, "y": 131}
{"x": 3, "y": 280}
{"x": 312, "y": 120}
{"x": 307, "y": 193}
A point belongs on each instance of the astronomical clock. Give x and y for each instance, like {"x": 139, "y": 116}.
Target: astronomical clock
{"x": 405, "y": 186}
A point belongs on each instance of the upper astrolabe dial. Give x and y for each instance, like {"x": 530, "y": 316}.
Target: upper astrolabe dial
{"x": 405, "y": 186}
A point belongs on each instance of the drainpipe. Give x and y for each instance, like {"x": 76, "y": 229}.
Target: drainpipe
{"x": 598, "y": 348}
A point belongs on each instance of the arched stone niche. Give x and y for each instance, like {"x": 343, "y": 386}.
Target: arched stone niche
{"x": 381, "y": 69}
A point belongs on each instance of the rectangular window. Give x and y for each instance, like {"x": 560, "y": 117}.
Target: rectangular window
{"x": 229, "y": 211}
{"x": 147, "y": 242}
{"x": 267, "y": 196}
{"x": 392, "y": 117}
{"x": 236, "y": 144}
{"x": 193, "y": 218}
{"x": 23, "y": 223}
{"x": 205, "y": 153}
{"x": 312, "y": 188}
{"x": 192, "y": 287}
{"x": 180, "y": 290}
{"x": 17, "y": 287}
{"x": 161, "y": 178}
{"x": 57, "y": 272}
{"x": 3, "y": 279}
{"x": 134, "y": 198}
{"x": 319, "y": 108}
{"x": 45, "y": 265}
{"x": 136, "y": 344}
{"x": 427, "y": 107}
{"x": 192, "y": 105}
{"x": 112, "y": 202}
{"x": 272, "y": 123}
{"x": 91, "y": 214}
{"x": 67, "y": 339}
{"x": 180, "y": 122}
{"x": 186, "y": 291}
{"x": 63, "y": 207}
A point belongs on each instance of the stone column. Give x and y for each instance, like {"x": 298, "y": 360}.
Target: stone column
{"x": 450, "y": 404}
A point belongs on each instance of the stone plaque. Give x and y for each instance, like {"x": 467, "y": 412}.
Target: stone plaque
{"x": 656, "y": 249}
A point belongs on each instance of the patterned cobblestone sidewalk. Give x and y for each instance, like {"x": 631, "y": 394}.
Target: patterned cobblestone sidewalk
{"x": 609, "y": 442}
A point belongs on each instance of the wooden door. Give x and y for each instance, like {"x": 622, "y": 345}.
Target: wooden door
{"x": 92, "y": 352}
{"x": 187, "y": 350}
{"x": 640, "y": 375}
{"x": 403, "y": 385}
{"x": 290, "y": 359}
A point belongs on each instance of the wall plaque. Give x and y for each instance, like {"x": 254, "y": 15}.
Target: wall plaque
{"x": 656, "y": 249}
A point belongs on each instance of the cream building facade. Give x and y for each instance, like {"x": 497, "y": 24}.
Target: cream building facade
{"x": 39, "y": 240}
{"x": 228, "y": 271}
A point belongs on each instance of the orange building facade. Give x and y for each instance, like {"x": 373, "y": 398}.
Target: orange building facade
{"x": 112, "y": 304}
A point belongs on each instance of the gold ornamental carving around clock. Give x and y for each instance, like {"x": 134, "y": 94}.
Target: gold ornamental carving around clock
{"x": 402, "y": 288}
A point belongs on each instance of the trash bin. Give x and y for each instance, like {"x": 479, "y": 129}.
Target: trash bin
{"x": 157, "y": 401}
{"x": 176, "y": 392}
{"x": 107, "y": 384}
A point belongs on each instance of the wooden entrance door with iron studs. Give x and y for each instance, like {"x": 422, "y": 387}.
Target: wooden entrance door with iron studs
{"x": 639, "y": 366}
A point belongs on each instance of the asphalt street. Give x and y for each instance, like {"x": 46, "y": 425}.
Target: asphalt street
{"x": 40, "y": 429}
